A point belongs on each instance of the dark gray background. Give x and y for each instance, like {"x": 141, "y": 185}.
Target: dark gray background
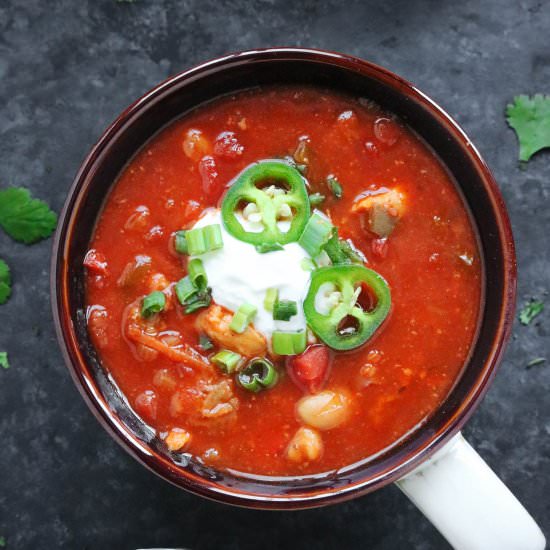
{"x": 67, "y": 68}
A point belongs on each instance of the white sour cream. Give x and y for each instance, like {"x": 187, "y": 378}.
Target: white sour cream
{"x": 238, "y": 274}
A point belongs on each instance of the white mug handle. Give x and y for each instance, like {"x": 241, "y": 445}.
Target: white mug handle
{"x": 470, "y": 506}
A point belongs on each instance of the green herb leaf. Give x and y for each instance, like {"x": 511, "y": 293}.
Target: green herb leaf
{"x": 205, "y": 343}
{"x": 315, "y": 199}
{"x": 5, "y": 282}
{"x": 530, "y": 118}
{"x": 23, "y": 218}
{"x": 530, "y": 311}
{"x": 4, "y": 363}
{"x": 335, "y": 187}
{"x": 536, "y": 361}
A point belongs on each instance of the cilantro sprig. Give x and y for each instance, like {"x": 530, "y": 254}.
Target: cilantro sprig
{"x": 4, "y": 363}
{"x": 5, "y": 282}
{"x": 23, "y": 218}
{"x": 530, "y": 118}
{"x": 530, "y": 311}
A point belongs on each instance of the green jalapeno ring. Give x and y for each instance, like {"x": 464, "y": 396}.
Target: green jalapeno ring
{"x": 244, "y": 190}
{"x": 346, "y": 277}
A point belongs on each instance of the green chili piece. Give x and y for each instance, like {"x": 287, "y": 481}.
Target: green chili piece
{"x": 346, "y": 325}
{"x": 259, "y": 374}
{"x": 291, "y": 193}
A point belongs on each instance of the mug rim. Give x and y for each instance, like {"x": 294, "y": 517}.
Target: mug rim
{"x": 161, "y": 465}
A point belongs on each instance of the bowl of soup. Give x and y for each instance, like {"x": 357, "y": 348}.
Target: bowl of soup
{"x": 283, "y": 278}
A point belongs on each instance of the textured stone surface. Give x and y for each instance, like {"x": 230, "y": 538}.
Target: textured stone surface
{"x": 66, "y": 69}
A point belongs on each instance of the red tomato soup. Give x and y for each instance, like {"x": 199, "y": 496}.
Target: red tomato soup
{"x": 375, "y": 282}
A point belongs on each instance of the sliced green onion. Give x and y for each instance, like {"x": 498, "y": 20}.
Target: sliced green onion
{"x": 153, "y": 303}
{"x": 205, "y": 343}
{"x": 271, "y": 296}
{"x": 226, "y": 360}
{"x": 185, "y": 289}
{"x": 342, "y": 252}
{"x": 197, "y": 274}
{"x": 180, "y": 242}
{"x": 242, "y": 318}
{"x": 190, "y": 296}
{"x": 335, "y": 187}
{"x": 315, "y": 199}
{"x": 265, "y": 247}
{"x": 283, "y": 310}
{"x": 288, "y": 343}
{"x": 259, "y": 374}
{"x": 204, "y": 239}
{"x": 307, "y": 264}
{"x": 213, "y": 236}
{"x": 195, "y": 241}
{"x": 198, "y": 301}
{"x": 317, "y": 232}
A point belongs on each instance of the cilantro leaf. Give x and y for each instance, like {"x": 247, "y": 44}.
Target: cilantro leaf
{"x": 530, "y": 118}
{"x": 4, "y": 363}
{"x": 530, "y": 311}
{"x": 23, "y": 218}
{"x": 5, "y": 282}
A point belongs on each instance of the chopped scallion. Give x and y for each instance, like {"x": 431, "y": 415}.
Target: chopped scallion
{"x": 195, "y": 241}
{"x": 226, "y": 360}
{"x": 258, "y": 375}
{"x": 271, "y": 296}
{"x": 288, "y": 343}
{"x": 197, "y": 274}
{"x": 153, "y": 303}
{"x": 213, "y": 236}
{"x": 185, "y": 289}
{"x": 283, "y": 310}
{"x": 180, "y": 242}
{"x": 242, "y": 318}
{"x": 204, "y": 239}
{"x": 198, "y": 301}
{"x": 317, "y": 232}
{"x": 307, "y": 264}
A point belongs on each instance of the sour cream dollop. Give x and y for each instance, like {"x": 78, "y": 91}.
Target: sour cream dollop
{"x": 238, "y": 274}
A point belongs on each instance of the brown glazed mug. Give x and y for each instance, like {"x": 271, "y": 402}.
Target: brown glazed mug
{"x": 433, "y": 464}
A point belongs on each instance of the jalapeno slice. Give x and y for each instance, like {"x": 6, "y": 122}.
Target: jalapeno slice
{"x": 268, "y": 192}
{"x": 332, "y": 309}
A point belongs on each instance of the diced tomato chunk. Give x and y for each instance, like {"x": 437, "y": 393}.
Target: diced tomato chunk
{"x": 211, "y": 184}
{"x": 146, "y": 405}
{"x": 310, "y": 370}
{"x": 227, "y": 145}
{"x": 95, "y": 261}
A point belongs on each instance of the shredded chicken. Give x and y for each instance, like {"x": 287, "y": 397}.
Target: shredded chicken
{"x": 384, "y": 208}
{"x": 144, "y": 332}
{"x": 215, "y": 323}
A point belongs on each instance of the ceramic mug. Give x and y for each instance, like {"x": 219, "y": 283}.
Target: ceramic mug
{"x": 433, "y": 464}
